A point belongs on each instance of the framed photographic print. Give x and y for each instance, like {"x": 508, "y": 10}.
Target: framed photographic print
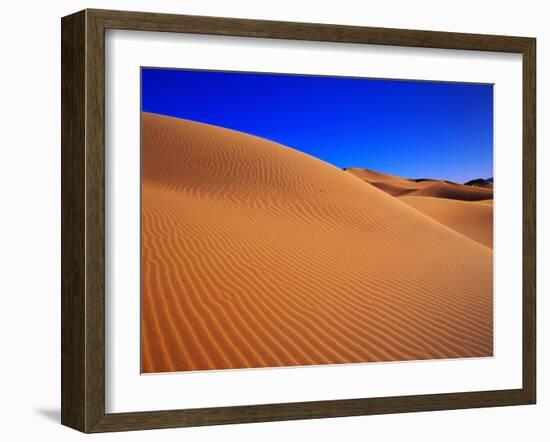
{"x": 270, "y": 220}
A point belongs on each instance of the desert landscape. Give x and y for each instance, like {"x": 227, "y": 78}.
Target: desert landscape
{"x": 255, "y": 254}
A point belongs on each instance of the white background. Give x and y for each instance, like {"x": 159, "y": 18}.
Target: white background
{"x": 30, "y": 231}
{"x": 128, "y": 391}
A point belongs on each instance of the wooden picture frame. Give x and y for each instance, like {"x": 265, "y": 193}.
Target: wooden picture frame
{"x": 83, "y": 220}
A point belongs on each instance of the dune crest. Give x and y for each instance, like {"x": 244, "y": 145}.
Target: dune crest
{"x": 480, "y": 182}
{"x": 391, "y": 184}
{"x": 257, "y": 255}
{"x": 472, "y": 219}
{"x": 399, "y": 186}
{"x": 454, "y": 191}
{"x": 451, "y": 204}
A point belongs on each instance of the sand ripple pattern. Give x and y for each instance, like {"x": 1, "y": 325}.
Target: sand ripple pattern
{"x": 257, "y": 255}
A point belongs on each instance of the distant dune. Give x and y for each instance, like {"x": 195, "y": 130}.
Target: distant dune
{"x": 398, "y": 186}
{"x": 448, "y": 203}
{"x": 392, "y": 184}
{"x": 257, "y": 255}
{"x": 373, "y": 176}
{"x": 454, "y": 191}
{"x": 472, "y": 219}
{"x": 480, "y": 182}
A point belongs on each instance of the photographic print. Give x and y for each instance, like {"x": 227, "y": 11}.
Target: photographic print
{"x": 298, "y": 220}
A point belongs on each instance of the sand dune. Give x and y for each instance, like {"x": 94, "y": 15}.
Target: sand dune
{"x": 399, "y": 186}
{"x": 449, "y": 203}
{"x": 257, "y": 255}
{"x": 373, "y": 176}
{"x": 480, "y": 182}
{"x": 442, "y": 189}
{"x": 394, "y": 188}
{"x": 472, "y": 219}
{"x": 392, "y": 184}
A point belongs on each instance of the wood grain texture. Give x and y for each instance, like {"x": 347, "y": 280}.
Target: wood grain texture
{"x": 529, "y": 221}
{"x": 95, "y": 221}
{"x": 83, "y": 217}
{"x": 307, "y": 410}
{"x": 73, "y": 398}
{"x": 145, "y": 21}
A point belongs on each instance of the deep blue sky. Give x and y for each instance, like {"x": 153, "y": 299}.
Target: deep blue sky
{"x": 409, "y": 128}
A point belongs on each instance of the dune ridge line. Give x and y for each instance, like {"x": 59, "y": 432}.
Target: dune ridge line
{"x": 257, "y": 255}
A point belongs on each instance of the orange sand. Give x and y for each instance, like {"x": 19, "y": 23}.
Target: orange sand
{"x": 392, "y": 184}
{"x": 455, "y": 205}
{"x": 443, "y": 189}
{"x": 257, "y": 255}
{"x": 472, "y": 219}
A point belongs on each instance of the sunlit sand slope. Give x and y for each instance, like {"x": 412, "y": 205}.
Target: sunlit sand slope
{"x": 257, "y": 255}
{"x": 443, "y": 189}
{"x": 472, "y": 219}
{"x": 399, "y": 186}
{"x": 392, "y": 184}
{"x": 455, "y": 205}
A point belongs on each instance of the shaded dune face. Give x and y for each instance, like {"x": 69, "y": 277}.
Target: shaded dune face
{"x": 391, "y": 184}
{"x": 398, "y": 186}
{"x": 451, "y": 204}
{"x": 455, "y": 191}
{"x": 480, "y": 182}
{"x": 474, "y": 220}
{"x": 257, "y": 255}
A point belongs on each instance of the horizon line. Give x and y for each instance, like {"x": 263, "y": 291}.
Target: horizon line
{"x": 328, "y": 162}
